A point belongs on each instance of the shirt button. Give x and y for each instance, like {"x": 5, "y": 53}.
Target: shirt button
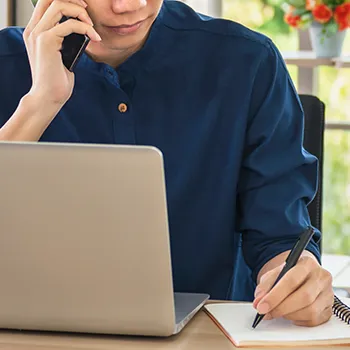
{"x": 122, "y": 108}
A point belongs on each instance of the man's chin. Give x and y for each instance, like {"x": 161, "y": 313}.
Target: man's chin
{"x": 115, "y": 44}
{"x": 123, "y": 42}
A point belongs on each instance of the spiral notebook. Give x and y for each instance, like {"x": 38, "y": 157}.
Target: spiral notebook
{"x": 235, "y": 320}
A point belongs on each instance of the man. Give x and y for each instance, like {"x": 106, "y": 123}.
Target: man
{"x": 217, "y": 100}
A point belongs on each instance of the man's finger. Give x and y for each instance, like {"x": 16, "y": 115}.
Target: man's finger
{"x": 291, "y": 281}
{"x": 40, "y": 9}
{"x": 309, "y": 294}
{"x": 55, "y": 12}
{"x": 267, "y": 281}
{"x": 321, "y": 318}
{"x": 73, "y": 26}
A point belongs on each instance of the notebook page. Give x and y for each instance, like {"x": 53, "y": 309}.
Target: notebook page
{"x": 237, "y": 319}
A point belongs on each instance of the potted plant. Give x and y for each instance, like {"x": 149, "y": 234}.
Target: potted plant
{"x": 328, "y": 21}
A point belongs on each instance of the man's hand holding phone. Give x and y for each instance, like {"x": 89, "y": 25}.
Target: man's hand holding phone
{"x": 52, "y": 82}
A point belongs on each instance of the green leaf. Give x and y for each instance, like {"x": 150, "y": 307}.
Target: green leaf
{"x": 300, "y": 12}
{"x": 297, "y": 3}
{"x": 331, "y": 27}
{"x": 333, "y": 3}
{"x": 273, "y": 3}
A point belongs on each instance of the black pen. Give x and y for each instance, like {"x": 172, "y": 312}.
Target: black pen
{"x": 291, "y": 261}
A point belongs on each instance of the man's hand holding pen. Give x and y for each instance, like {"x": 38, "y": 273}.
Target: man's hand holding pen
{"x": 303, "y": 295}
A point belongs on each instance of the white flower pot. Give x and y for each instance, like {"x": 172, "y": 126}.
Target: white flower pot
{"x": 325, "y": 44}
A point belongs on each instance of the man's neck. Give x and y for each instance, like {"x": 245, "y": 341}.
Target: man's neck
{"x": 112, "y": 57}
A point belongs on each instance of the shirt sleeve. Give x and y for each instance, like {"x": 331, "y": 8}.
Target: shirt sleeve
{"x": 278, "y": 177}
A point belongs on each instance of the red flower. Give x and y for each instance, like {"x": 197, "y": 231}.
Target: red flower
{"x": 342, "y": 26}
{"x": 293, "y": 21}
{"x": 322, "y": 13}
{"x": 342, "y": 16}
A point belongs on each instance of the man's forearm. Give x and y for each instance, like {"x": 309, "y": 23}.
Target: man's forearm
{"x": 30, "y": 120}
{"x": 279, "y": 260}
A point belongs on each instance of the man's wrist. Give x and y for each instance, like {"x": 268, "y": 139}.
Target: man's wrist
{"x": 30, "y": 120}
{"x": 40, "y": 106}
{"x": 279, "y": 260}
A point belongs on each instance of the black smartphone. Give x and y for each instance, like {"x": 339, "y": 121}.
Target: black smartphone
{"x": 73, "y": 46}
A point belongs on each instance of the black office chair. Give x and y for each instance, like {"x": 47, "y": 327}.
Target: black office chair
{"x": 314, "y": 111}
{"x": 314, "y": 126}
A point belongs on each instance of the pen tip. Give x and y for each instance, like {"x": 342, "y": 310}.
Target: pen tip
{"x": 257, "y": 320}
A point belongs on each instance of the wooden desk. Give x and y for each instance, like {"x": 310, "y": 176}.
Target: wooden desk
{"x": 200, "y": 334}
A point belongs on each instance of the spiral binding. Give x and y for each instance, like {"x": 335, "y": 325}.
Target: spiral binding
{"x": 341, "y": 310}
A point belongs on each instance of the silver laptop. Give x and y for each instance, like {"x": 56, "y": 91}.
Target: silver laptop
{"x": 85, "y": 242}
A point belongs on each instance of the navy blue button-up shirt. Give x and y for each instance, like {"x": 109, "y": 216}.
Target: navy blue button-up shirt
{"x": 217, "y": 100}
